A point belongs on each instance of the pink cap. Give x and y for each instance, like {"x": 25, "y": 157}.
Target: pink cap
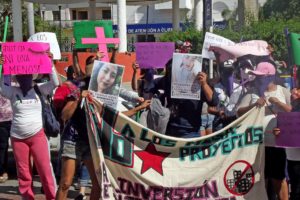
{"x": 264, "y": 68}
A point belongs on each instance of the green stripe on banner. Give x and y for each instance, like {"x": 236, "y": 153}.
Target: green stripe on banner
{"x": 4, "y": 38}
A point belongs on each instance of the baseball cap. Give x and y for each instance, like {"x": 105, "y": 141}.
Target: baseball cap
{"x": 264, "y": 68}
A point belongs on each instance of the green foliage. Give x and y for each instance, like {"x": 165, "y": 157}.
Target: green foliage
{"x": 270, "y": 30}
{"x": 286, "y": 9}
{"x": 190, "y": 34}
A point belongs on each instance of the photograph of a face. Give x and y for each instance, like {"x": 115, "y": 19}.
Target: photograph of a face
{"x": 185, "y": 68}
{"x": 106, "y": 81}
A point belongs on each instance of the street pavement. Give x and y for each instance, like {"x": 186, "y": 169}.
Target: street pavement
{"x": 9, "y": 189}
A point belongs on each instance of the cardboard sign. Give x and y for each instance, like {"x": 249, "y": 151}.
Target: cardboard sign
{"x": 86, "y": 29}
{"x": 26, "y": 58}
{"x": 289, "y": 124}
{"x": 154, "y": 54}
{"x": 185, "y": 68}
{"x": 216, "y": 40}
{"x": 106, "y": 82}
{"x": 101, "y": 41}
{"x": 50, "y": 38}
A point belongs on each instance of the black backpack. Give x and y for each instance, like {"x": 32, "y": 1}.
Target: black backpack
{"x": 50, "y": 123}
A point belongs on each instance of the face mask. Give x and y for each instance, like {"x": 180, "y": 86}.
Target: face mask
{"x": 25, "y": 82}
{"x": 262, "y": 82}
{"x": 227, "y": 81}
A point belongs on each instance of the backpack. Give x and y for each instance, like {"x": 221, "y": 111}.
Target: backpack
{"x": 50, "y": 123}
{"x": 157, "y": 117}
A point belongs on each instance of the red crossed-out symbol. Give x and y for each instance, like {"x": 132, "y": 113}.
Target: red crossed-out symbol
{"x": 239, "y": 178}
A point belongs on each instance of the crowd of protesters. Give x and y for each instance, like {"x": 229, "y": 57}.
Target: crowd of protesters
{"x": 223, "y": 100}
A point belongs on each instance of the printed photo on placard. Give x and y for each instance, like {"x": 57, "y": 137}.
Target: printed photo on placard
{"x": 185, "y": 68}
{"x": 106, "y": 82}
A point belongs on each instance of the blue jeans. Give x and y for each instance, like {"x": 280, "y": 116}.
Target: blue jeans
{"x": 84, "y": 176}
{"x": 206, "y": 122}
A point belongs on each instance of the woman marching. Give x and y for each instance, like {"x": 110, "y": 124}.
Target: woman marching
{"x": 27, "y": 134}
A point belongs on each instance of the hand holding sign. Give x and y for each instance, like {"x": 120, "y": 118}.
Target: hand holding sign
{"x": 26, "y": 58}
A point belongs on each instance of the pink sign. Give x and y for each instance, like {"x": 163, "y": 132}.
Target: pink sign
{"x": 154, "y": 54}
{"x": 101, "y": 41}
{"x": 26, "y": 58}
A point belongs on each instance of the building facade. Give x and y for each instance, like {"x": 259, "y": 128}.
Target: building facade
{"x": 142, "y": 21}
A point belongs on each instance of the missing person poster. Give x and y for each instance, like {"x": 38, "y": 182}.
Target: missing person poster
{"x": 185, "y": 68}
{"x": 106, "y": 82}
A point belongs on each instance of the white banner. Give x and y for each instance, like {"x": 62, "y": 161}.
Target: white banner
{"x": 50, "y": 38}
{"x": 133, "y": 162}
{"x": 213, "y": 40}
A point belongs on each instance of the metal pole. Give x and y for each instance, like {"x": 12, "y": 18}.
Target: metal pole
{"x": 211, "y": 62}
{"x": 147, "y": 22}
{"x": 60, "y": 41}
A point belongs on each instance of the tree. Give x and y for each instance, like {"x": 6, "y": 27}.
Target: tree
{"x": 286, "y": 9}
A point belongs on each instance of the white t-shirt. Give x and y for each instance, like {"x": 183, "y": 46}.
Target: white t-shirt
{"x": 27, "y": 111}
{"x": 270, "y": 120}
{"x": 293, "y": 154}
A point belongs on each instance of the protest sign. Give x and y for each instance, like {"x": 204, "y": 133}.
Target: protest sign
{"x": 50, "y": 38}
{"x": 185, "y": 68}
{"x": 154, "y": 54}
{"x": 106, "y": 82}
{"x": 295, "y": 44}
{"x": 289, "y": 124}
{"x": 134, "y": 162}
{"x": 26, "y": 58}
{"x": 101, "y": 41}
{"x": 213, "y": 39}
{"x": 86, "y": 29}
{"x": 232, "y": 51}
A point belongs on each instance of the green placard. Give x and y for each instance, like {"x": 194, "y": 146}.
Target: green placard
{"x": 295, "y": 46}
{"x": 86, "y": 29}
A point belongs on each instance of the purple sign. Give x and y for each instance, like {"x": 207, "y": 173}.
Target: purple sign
{"x": 154, "y": 54}
{"x": 289, "y": 124}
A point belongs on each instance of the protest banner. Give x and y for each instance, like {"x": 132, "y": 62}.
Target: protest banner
{"x": 101, "y": 41}
{"x": 50, "y": 38}
{"x": 233, "y": 51}
{"x": 86, "y": 29}
{"x": 26, "y": 58}
{"x": 288, "y": 123}
{"x": 213, "y": 39}
{"x": 185, "y": 68}
{"x": 154, "y": 54}
{"x": 106, "y": 82}
{"x": 295, "y": 46}
{"x": 134, "y": 162}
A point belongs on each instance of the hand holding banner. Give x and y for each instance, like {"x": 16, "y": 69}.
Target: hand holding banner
{"x": 26, "y": 58}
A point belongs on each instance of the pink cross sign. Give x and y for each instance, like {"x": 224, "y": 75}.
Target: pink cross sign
{"x": 101, "y": 41}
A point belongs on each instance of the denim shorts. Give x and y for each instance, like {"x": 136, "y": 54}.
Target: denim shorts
{"x": 206, "y": 122}
{"x": 78, "y": 150}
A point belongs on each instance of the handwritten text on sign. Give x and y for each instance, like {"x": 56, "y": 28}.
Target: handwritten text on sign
{"x": 288, "y": 123}
{"x": 154, "y": 54}
{"x": 50, "y": 38}
{"x": 26, "y": 58}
